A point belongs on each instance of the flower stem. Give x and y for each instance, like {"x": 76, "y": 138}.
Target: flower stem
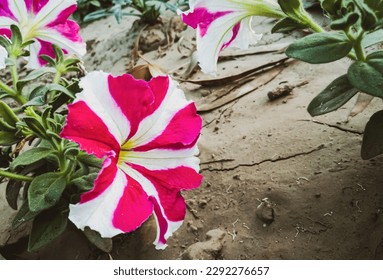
{"x": 14, "y": 176}
{"x": 359, "y": 51}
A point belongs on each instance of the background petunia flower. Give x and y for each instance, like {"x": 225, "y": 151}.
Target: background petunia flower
{"x": 3, "y": 56}
{"x": 147, "y": 133}
{"x": 224, "y": 23}
{"x": 44, "y": 21}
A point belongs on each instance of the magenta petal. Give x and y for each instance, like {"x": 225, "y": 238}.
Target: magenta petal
{"x": 175, "y": 136}
{"x": 69, "y": 30}
{"x": 6, "y": 32}
{"x": 103, "y": 181}
{"x": 136, "y": 98}
{"x": 168, "y": 184}
{"x": 35, "y": 5}
{"x": 89, "y": 131}
{"x": 4, "y": 9}
{"x": 133, "y": 209}
{"x": 62, "y": 18}
{"x": 202, "y": 18}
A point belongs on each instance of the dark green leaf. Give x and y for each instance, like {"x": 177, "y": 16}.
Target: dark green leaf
{"x": 291, "y": 8}
{"x": 16, "y": 37}
{"x": 8, "y": 115}
{"x": 104, "y": 244}
{"x": 12, "y": 192}
{"x": 46, "y": 227}
{"x": 35, "y": 126}
{"x": 8, "y": 138}
{"x": 332, "y": 97}
{"x": 85, "y": 183}
{"x": 4, "y": 126}
{"x": 286, "y": 25}
{"x": 90, "y": 160}
{"x": 320, "y": 47}
{"x": 4, "y": 42}
{"x": 345, "y": 22}
{"x": 31, "y": 156}
{"x": 24, "y": 215}
{"x": 59, "y": 54}
{"x": 34, "y": 75}
{"x": 373, "y": 137}
{"x": 368, "y": 76}
{"x": 45, "y": 191}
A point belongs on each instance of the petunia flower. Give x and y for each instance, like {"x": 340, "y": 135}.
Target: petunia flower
{"x": 224, "y": 23}
{"x": 3, "y": 56}
{"x": 44, "y": 21}
{"x": 147, "y": 133}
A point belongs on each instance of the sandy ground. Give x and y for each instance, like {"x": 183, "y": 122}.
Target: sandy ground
{"x": 278, "y": 184}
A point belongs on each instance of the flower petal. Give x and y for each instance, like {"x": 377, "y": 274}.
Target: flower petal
{"x": 221, "y": 24}
{"x": 97, "y": 97}
{"x": 92, "y": 135}
{"x": 97, "y": 207}
{"x": 162, "y": 120}
{"x": 54, "y": 11}
{"x": 174, "y": 136}
{"x": 158, "y": 159}
{"x": 163, "y": 187}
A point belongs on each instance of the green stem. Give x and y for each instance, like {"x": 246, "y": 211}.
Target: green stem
{"x": 7, "y": 89}
{"x": 359, "y": 51}
{"x": 13, "y": 176}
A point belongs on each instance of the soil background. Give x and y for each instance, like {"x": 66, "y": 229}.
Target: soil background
{"x": 278, "y": 184}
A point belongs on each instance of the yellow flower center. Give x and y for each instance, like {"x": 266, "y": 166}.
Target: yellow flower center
{"x": 124, "y": 152}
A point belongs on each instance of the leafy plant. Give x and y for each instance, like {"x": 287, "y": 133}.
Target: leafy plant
{"x": 356, "y": 25}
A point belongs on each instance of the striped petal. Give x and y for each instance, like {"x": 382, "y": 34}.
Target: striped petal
{"x": 44, "y": 21}
{"x": 225, "y": 23}
{"x": 148, "y": 133}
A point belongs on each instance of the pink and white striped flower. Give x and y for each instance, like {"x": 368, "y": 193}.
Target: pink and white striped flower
{"x": 224, "y": 23}
{"x": 44, "y": 21}
{"x": 3, "y": 56}
{"x": 147, "y": 133}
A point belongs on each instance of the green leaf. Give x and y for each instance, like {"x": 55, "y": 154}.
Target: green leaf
{"x": 368, "y": 76}
{"x": 286, "y": 25}
{"x": 16, "y": 37}
{"x": 45, "y": 191}
{"x": 35, "y": 126}
{"x": 12, "y": 192}
{"x": 34, "y": 75}
{"x": 332, "y": 97}
{"x": 372, "y": 144}
{"x": 292, "y": 8}
{"x": 59, "y": 54}
{"x": 320, "y": 47}
{"x": 24, "y": 215}
{"x": 31, "y": 156}
{"x": 8, "y": 138}
{"x": 8, "y": 115}
{"x": 85, "y": 183}
{"x": 345, "y": 22}
{"x": 90, "y": 160}
{"x": 46, "y": 227}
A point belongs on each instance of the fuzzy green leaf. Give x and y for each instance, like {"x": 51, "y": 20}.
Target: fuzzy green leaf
{"x": 8, "y": 138}
{"x": 8, "y": 115}
{"x": 24, "y": 215}
{"x": 320, "y": 47}
{"x": 85, "y": 183}
{"x": 30, "y": 156}
{"x": 45, "y": 191}
{"x": 46, "y": 227}
{"x": 368, "y": 76}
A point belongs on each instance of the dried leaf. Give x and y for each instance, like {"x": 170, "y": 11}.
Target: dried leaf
{"x": 225, "y": 96}
{"x": 360, "y": 104}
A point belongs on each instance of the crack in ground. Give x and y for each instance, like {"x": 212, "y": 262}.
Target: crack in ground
{"x": 335, "y": 126}
{"x": 320, "y": 147}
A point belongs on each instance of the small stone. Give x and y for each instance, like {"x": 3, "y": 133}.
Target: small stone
{"x": 207, "y": 250}
{"x": 202, "y": 204}
{"x": 237, "y": 177}
{"x": 216, "y": 207}
{"x": 265, "y": 212}
{"x": 318, "y": 195}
